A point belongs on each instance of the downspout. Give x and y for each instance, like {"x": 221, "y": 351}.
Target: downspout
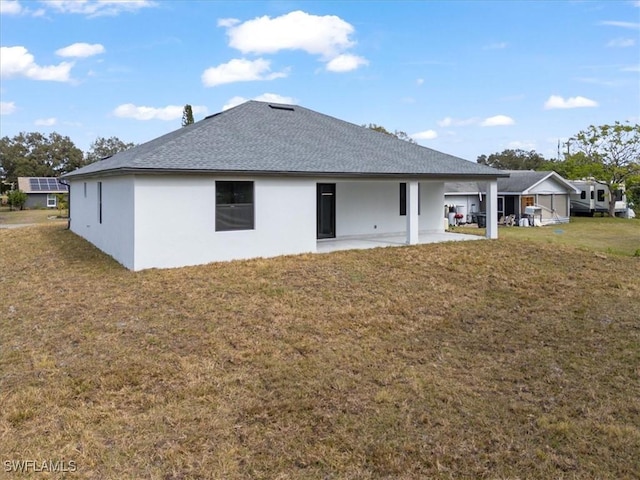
{"x": 63, "y": 182}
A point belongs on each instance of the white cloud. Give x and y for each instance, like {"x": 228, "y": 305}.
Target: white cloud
{"x": 621, "y": 42}
{"x": 346, "y": 62}
{"x": 496, "y": 46}
{"x": 454, "y": 122}
{"x": 228, "y": 22}
{"x": 599, "y": 81}
{"x": 497, "y": 121}
{"x": 98, "y": 8}
{"x": 170, "y": 112}
{"x": 46, "y": 122}
{"x": 10, "y": 7}
{"x": 556, "y": 101}
{"x": 614, "y": 23}
{"x": 419, "y": 81}
{"x": 265, "y": 97}
{"x": 240, "y": 70}
{"x": 7, "y": 108}
{"x": 425, "y": 135}
{"x": 17, "y": 61}
{"x": 631, "y": 68}
{"x": 318, "y": 35}
{"x": 81, "y": 50}
{"x": 328, "y": 36}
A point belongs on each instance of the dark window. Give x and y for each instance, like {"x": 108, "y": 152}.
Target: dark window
{"x": 591, "y": 194}
{"x": 583, "y": 195}
{"x": 403, "y": 199}
{"x": 601, "y": 195}
{"x": 234, "y": 206}
{"x": 618, "y": 194}
{"x": 99, "y": 202}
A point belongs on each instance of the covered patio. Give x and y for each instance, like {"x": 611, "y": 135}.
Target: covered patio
{"x": 361, "y": 242}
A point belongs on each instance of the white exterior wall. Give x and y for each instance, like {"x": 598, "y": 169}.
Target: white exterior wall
{"x": 367, "y": 208}
{"x": 471, "y": 202}
{"x": 175, "y": 221}
{"x": 431, "y": 204}
{"x": 548, "y": 186}
{"x": 373, "y": 208}
{"x": 115, "y": 235}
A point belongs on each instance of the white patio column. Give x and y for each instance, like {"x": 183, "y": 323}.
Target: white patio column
{"x": 412, "y": 212}
{"x": 492, "y": 209}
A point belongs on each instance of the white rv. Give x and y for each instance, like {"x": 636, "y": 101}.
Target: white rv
{"x": 594, "y": 198}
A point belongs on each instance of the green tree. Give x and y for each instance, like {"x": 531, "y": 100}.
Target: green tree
{"x": 17, "y": 199}
{"x": 614, "y": 153}
{"x": 575, "y": 166}
{"x": 514, "y": 160}
{"x": 396, "y": 133}
{"x": 62, "y": 202}
{"x": 632, "y": 187}
{"x": 35, "y": 155}
{"x": 187, "y": 115}
{"x": 105, "y": 147}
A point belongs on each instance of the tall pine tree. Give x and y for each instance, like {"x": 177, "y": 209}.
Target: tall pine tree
{"x": 187, "y": 115}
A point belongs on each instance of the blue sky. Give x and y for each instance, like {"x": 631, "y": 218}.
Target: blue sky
{"x": 463, "y": 77}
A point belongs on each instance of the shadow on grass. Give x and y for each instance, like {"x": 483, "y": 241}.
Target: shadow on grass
{"x": 74, "y": 251}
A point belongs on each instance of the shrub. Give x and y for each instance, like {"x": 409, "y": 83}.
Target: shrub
{"x": 17, "y": 199}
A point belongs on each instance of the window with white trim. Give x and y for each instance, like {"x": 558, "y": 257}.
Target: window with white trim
{"x": 52, "y": 201}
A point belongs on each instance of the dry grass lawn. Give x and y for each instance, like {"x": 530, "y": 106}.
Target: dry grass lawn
{"x": 492, "y": 359}
{"x": 14, "y": 217}
{"x": 612, "y": 235}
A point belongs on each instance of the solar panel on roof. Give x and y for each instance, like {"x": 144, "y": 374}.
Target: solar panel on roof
{"x": 46, "y": 184}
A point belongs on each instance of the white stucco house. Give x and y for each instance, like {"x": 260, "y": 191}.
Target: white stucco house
{"x": 521, "y": 189}
{"x": 263, "y": 180}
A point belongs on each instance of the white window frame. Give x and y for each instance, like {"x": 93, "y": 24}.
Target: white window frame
{"x": 52, "y": 200}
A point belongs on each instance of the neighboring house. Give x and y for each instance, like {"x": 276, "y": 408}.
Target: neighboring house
{"x": 41, "y": 191}
{"x": 523, "y": 188}
{"x": 262, "y": 180}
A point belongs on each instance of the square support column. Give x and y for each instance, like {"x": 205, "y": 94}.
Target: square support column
{"x": 412, "y": 212}
{"x": 492, "y": 209}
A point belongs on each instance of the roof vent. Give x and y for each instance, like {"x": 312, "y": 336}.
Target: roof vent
{"x": 281, "y": 107}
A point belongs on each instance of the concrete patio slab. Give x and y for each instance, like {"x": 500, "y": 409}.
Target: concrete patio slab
{"x": 394, "y": 240}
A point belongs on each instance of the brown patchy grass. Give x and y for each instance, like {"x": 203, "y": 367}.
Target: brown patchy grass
{"x": 494, "y": 359}
{"x": 14, "y": 217}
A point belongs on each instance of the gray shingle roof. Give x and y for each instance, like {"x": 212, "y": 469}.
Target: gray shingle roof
{"x": 518, "y": 181}
{"x": 258, "y": 137}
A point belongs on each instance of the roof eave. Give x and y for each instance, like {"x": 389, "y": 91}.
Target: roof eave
{"x": 164, "y": 171}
